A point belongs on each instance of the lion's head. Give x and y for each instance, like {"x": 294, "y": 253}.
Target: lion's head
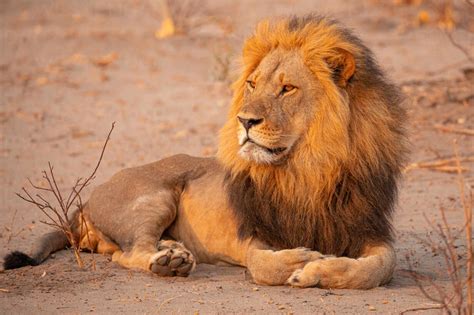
{"x": 277, "y": 108}
{"x": 314, "y": 128}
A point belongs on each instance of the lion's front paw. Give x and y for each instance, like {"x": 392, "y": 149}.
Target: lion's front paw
{"x": 172, "y": 259}
{"x": 301, "y": 279}
{"x": 330, "y": 273}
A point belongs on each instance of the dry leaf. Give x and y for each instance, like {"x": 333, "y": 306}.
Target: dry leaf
{"x": 74, "y": 154}
{"x": 78, "y": 133}
{"x": 76, "y": 59}
{"x": 423, "y": 17}
{"x": 106, "y": 60}
{"x": 407, "y": 2}
{"x": 167, "y": 29}
{"x": 446, "y": 19}
{"x": 41, "y": 81}
{"x": 94, "y": 144}
{"x": 29, "y": 117}
{"x": 76, "y": 17}
{"x": 180, "y": 134}
{"x": 4, "y": 116}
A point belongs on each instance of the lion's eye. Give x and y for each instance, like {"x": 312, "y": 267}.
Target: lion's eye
{"x": 251, "y": 84}
{"x": 287, "y": 88}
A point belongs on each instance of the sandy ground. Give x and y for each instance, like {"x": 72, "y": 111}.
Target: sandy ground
{"x": 69, "y": 69}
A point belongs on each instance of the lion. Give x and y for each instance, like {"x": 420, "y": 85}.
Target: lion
{"x": 303, "y": 186}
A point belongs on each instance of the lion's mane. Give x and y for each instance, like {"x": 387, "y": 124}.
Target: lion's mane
{"x": 337, "y": 190}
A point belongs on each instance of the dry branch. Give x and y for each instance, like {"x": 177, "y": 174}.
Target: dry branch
{"x": 458, "y": 298}
{"x": 11, "y": 230}
{"x": 427, "y": 308}
{"x": 464, "y": 131}
{"x": 447, "y": 165}
{"x": 58, "y": 212}
{"x": 467, "y": 201}
{"x": 464, "y": 50}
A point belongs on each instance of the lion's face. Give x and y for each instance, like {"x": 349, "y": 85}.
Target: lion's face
{"x": 278, "y": 107}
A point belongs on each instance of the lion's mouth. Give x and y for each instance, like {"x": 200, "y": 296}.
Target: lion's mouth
{"x": 274, "y": 151}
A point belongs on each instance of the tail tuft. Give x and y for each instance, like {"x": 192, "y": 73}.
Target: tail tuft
{"x": 18, "y": 259}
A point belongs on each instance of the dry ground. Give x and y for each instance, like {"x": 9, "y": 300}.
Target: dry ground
{"x": 70, "y": 68}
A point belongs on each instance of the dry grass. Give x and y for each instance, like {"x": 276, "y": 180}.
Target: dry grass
{"x": 179, "y": 17}
{"x": 457, "y": 297}
{"x": 12, "y": 233}
{"x": 57, "y": 212}
{"x": 223, "y": 67}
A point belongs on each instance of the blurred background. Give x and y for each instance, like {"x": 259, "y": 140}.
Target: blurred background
{"x": 162, "y": 71}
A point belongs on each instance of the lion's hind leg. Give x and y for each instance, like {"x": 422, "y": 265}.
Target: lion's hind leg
{"x": 169, "y": 258}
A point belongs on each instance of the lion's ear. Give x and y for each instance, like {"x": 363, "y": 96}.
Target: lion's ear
{"x": 343, "y": 66}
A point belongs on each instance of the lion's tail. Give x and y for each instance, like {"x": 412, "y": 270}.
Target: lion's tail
{"x": 41, "y": 249}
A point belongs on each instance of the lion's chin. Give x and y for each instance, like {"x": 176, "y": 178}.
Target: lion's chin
{"x": 258, "y": 154}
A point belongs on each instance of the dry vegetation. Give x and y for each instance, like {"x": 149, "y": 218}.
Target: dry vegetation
{"x": 179, "y": 17}
{"x": 58, "y": 212}
{"x": 457, "y": 297}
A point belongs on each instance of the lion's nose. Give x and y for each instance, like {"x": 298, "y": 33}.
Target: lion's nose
{"x": 249, "y": 122}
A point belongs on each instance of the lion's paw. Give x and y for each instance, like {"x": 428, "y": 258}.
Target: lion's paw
{"x": 328, "y": 272}
{"x": 300, "y": 279}
{"x": 172, "y": 259}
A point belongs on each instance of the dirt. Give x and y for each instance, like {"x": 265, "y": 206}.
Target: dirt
{"x": 69, "y": 69}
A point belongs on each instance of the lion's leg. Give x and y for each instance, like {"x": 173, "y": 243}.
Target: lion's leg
{"x": 375, "y": 267}
{"x": 272, "y": 267}
{"x": 152, "y": 215}
{"x": 170, "y": 258}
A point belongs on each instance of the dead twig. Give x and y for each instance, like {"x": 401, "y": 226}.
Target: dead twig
{"x": 58, "y": 214}
{"x": 458, "y": 297}
{"x": 167, "y": 301}
{"x": 464, "y": 50}
{"x": 11, "y": 229}
{"x": 442, "y": 165}
{"x": 427, "y": 308}
{"x": 467, "y": 201}
{"x": 464, "y": 131}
